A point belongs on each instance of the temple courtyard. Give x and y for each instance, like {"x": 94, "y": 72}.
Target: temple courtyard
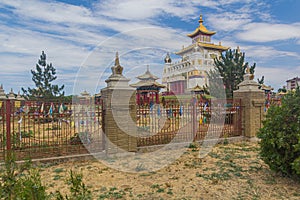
{"x": 229, "y": 171}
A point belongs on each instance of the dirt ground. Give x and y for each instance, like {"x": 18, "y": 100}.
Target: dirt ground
{"x": 232, "y": 171}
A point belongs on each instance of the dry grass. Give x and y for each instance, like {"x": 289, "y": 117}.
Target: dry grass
{"x": 232, "y": 171}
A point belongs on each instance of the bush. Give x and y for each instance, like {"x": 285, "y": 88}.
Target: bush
{"x": 20, "y": 182}
{"x": 280, "y": 136}
{"x": 24, "y": 182}
{"x": 78, "y": 189}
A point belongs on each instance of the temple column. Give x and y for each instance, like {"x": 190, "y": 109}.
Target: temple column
{"x": 138, "y": 98}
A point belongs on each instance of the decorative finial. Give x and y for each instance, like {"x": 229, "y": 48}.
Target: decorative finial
{"x": 247, "y": 70}
{"x": 117, "y": 69}
{"x": 200, "y": 20}
{"x": 168, "y": 58}
{"x": 117, "y": 61}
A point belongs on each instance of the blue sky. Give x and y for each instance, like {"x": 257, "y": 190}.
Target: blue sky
{"x": 80, "y": 38}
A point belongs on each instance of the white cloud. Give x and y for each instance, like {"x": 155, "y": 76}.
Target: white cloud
{"x": 50, "y": 11}
{"x": 144, "y": 10}
{"x": 276, "y": 77}
{"x": 68, "y": 32}
{"x": 228, "y": 21}
{"x": 265, "y": 32}
{"x": 267, "y": 52}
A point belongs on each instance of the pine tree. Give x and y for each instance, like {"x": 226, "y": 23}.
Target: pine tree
{"x": 230, "y": 67}
{"x": 42, "y": 76}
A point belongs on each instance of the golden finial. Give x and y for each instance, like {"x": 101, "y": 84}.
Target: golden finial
{"x": 200, "y": 20}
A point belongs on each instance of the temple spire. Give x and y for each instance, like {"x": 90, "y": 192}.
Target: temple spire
{"x": 201, "y": 29}
{"x": 117, "y": 69}
{"x": 200, "y": 20}
{"x": 117, "y": 61}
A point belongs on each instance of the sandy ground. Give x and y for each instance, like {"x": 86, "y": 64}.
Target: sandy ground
{"x": 232, "y": 171}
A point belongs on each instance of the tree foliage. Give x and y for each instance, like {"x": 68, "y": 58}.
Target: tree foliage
{"x": 230, "y": 67}
{"x": 261, "y": 81}
{"x": 280, "y": 136}
{"x": 43, "y": 76}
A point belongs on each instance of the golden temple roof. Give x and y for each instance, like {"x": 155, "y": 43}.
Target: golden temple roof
{"x": 197, "y": 88}
{"x": 212, "y": 46}
{"x": 201, "y": 28}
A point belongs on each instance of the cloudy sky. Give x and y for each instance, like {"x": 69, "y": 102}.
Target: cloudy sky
{"x": 80, "y": 37}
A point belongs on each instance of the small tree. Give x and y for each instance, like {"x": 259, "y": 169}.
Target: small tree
{"x": 230, "y": 67}
{"x": 42, "y": 78}
{"x": 280, "y": 136}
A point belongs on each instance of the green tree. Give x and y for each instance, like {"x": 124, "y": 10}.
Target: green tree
{"x": 230, "y": 67}
{"x": 216, "y": 85}
{"x": 283, "y": 89}
{"x": 261, "y": 81}
{"x": 42, "y": 77}
{"x": 280, "y": 136}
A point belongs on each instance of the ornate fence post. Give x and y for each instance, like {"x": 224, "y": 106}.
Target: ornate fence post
{"x": 252, "y": 103}
{"x": 8, "y": 129}
{"x": 119, "y": 113}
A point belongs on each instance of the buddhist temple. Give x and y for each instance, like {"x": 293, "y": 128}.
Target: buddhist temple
{"x": 197, "y": 90}
{"x": 85, "y": 97}
{"x": 147, "y": 88}
{"x": 196, "y": 59}
{"x": 266, "y": 88}
{"x": 11, "y": 95}
{"x": 2, "y": 93}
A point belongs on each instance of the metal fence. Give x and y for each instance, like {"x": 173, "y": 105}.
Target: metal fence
{"x": 39, "y": 129}
{"x": 36, "y": 129}
{"x": 186, "y": 121}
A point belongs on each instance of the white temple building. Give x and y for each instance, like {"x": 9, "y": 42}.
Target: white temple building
{"x": 196, "y": 59}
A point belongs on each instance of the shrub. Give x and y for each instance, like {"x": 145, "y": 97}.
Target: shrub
{"x": 20, "y": 182}
{"x": 78, "y": 189}
{"x": 280, "y": 136}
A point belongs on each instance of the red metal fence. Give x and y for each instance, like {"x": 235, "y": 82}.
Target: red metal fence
{"x": 37, "y": 129}
{"x": 34, "y": 129}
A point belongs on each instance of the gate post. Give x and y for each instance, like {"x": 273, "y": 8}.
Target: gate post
{"x": 8, "y": 130}
{"x": 119, "y": 113}
{"x": 252, "y": 101}
{"x": 194, "y": 119}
